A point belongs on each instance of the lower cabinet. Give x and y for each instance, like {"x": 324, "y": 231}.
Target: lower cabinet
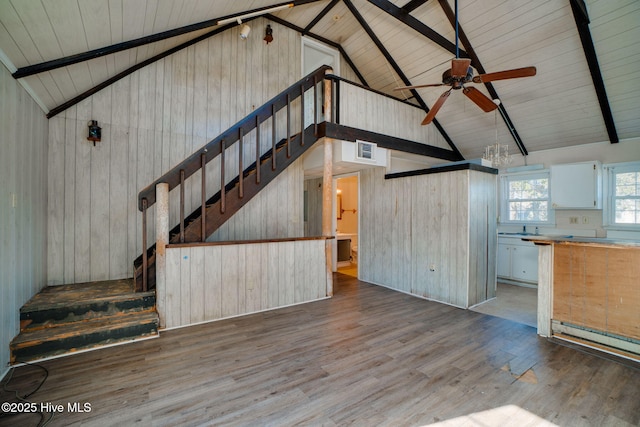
{"x": 517, "y": 260}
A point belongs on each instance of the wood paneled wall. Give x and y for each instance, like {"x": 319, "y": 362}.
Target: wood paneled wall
{"x": 313, "y": 224}
{"x": 427, "y": 235}
{"x": 151, "y": 120}
{"x": 363, "y": 109}
{"x": 23, "y": 205}
{"x": 211, "y": 282}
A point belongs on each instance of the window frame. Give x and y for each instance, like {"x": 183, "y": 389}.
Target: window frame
{"x": 609, "y": 196}
{"x": 505, "y": 178}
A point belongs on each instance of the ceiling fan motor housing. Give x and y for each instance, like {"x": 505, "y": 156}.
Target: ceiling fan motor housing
{"x": 448, "y": 79}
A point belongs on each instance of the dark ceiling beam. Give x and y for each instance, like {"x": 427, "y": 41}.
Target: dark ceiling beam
{"x": 581, "y": 17}
{"x": 323, "y": 40}
{"x": 404, "y": 17}
{"x": 55, "y": 111}
{"x": 413, "y": 5}
{"x": 118, "y": 47}
{"x": 398, "y": 71}
{"x": 475, "y": 61}
{"x": 321, "y": 15}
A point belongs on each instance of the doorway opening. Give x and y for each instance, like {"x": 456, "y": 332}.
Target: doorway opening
{"x": 346, "y": 219}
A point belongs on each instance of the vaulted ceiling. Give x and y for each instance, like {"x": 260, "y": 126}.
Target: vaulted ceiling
{"x": 587, "y": 87}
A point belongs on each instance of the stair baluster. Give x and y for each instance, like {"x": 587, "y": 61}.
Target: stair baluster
{"x": 145, "y": 260}
{"x": 181, "y": 205}
{"x": 240, "y": 163}
{"x": 203, "y": 197}
{"x": 315, "y": 106}
{"x": 302, "y": 115}
{"x": 273, "y": 137}
{"x": 258, "y": 168}
{"x": 288, "y": 126}
{"x": 223, "y": 198}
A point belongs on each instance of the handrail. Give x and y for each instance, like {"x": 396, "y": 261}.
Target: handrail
{"x": 338, "y": 79}
{"x": 212, "y": 149}
{"x": 198, "y": 160}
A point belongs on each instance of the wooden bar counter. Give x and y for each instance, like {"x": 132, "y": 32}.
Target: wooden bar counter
{"x": 589, "y": 292}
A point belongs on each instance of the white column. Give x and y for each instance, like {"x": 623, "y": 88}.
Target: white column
{"x": 162, "y": 239}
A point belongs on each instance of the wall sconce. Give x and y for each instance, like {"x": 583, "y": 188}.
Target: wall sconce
{"x": 269, "y": 34}
{"x": 244, "y": 30}
{"x": 95, "y": 132}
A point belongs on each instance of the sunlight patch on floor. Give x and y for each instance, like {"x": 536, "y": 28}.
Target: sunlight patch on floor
{"x": 509, "y": 415}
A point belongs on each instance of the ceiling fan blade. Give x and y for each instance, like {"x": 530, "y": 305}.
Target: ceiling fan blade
{"x": 434, "y": 110}
{"x": 480, "y": 99}
{"x": 459, "y": 67}
{"x": 507, "y": 74}
{"x": 419, "y": 86}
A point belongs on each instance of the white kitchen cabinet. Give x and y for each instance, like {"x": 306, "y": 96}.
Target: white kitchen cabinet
{"x": 517, "y": 260}
{"x": 576, "y": 186}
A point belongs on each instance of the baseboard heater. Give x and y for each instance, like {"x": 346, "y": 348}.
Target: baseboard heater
{"x": 622, "y": 346}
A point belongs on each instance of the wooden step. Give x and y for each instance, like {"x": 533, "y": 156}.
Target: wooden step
{"x": 64, "y": 319}
{"x": 71, "y": 337}
{"x": 81, "y": 301}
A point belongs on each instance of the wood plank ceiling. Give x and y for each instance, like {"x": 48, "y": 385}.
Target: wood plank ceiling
{"x": 559, "y": 107}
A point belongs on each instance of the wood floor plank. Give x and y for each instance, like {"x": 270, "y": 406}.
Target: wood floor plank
{"x": 367, "y": 356}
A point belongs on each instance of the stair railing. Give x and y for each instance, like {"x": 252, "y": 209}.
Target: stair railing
{"x": 197, "y": 161}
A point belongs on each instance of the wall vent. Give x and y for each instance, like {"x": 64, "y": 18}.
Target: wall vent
{"x": 366, "y": 151}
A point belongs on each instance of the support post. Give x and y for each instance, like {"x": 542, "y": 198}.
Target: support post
{"x": 162, "y": 239}
{"x": 545, "y": 288}
{"x": 327, "y": 188}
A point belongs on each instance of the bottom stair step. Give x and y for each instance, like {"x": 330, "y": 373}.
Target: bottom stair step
{"x": 83, "y": 335}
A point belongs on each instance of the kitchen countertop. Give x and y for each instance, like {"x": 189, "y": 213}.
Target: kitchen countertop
{"x": 564, "y": 239}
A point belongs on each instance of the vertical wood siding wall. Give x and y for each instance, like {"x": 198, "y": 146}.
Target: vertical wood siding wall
{"x": 151, "y": 120}
{"x": 23, "y": 205}
{"x": 212, "y": 282}
{"x": 408, "y": 225}
{"x": 363, "y": 109}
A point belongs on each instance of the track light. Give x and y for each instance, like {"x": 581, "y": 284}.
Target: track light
{"x": 255, "y": 13}
{"x": 244, "y": 30}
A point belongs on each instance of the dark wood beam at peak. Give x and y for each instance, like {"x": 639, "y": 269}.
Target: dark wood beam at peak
{"x": 363, "y": 23}
{"x": 60, "y": 108}
{"x": 130, "y": 44}
{"x": 403, "y": 16}
{"x": 321, "y": 15}
{"x": 581, "y": 17}
{"x": 413, "y": 5}
{"x": 475, "y": 62}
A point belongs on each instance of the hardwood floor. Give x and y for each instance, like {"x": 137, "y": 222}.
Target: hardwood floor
{"x": 512, "y": 302}
{"x": 368, "y": 356}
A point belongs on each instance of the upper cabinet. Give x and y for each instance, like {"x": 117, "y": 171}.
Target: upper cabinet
{"x": 576, "y": 186}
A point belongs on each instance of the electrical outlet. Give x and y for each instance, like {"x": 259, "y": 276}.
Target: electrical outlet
{"x": 14, "y": 200}
{"x": 573, "y": 220}
{"x": 585, "y": 220}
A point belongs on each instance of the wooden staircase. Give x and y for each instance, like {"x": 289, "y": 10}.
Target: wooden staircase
{"x": 236, "y": 193}
{"x": 82, "y": 316}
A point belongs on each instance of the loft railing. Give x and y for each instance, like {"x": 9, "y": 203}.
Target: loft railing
{"x": 197, "y": 161}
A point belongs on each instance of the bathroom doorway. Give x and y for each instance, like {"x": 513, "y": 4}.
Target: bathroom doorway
{"x": 346, "y": 218}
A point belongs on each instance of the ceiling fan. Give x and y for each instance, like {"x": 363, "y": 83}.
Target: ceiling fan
{"x": 461, "y": 73}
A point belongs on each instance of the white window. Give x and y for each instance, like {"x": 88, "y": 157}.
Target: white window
{"x": 526, "y": 198}
{"x": 622, "y": 195}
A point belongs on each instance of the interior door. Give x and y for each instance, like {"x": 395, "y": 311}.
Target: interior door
{"x": 314, "y": 55}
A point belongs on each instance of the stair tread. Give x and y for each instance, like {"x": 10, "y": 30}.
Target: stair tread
{"x": 52, "y": 297}
{"x": 78, "y": 328}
